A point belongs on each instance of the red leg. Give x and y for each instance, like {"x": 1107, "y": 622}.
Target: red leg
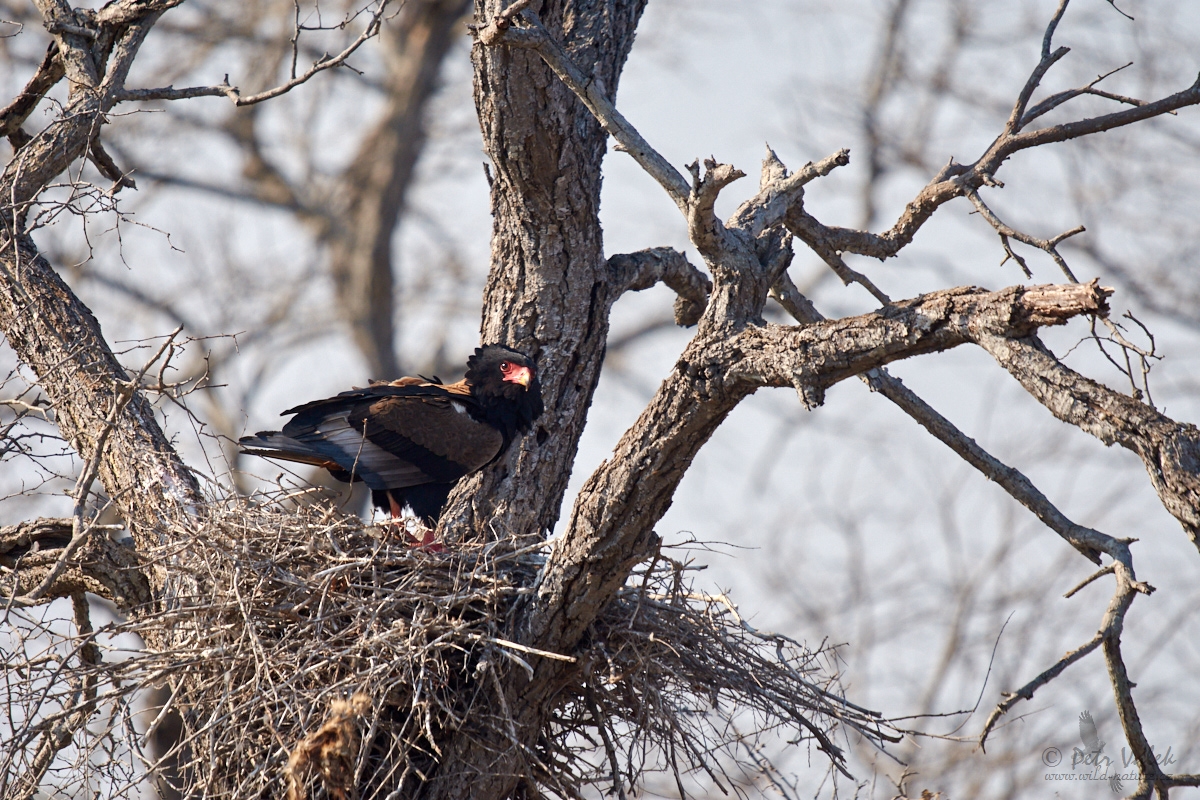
{"x": 426, "y": 541}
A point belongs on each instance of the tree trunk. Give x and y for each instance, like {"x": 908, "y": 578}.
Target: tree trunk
{"x": 549, "y": 290}
{"x": 549, "y": 293}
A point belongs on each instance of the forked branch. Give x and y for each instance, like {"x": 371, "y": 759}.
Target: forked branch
{"x": 224, "y": 89}
{"x": 1170, "y": 450}
{"x": 958, "y": 180}
{"x": 634, "y": 272}
{"x": 516, "y": 26}
{"x": 613, "y": 518}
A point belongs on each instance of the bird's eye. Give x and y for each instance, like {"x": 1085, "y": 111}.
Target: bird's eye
{"x": 505, "y": 367}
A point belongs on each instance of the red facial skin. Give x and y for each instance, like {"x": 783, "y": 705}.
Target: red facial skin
{"x": 515, "y": 373}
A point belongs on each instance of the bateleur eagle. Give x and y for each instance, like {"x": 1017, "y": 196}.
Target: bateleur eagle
{"x": 412, "y": 439}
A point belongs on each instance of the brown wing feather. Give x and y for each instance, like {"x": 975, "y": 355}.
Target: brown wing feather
{"x": 409, "y": 381}
{"x": 434, "y": 424}
{"x": 461, "y": 388}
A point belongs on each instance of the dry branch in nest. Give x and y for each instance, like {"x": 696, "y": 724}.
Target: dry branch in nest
{"x": 313, "y": 655}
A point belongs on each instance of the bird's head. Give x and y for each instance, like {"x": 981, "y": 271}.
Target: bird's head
{"x": 505, "y": 383}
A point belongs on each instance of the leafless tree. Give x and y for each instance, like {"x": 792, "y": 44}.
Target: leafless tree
{"x": 922, "y": 576}
{"x": 346, "y": 215}
{"x": 513, "y": 666}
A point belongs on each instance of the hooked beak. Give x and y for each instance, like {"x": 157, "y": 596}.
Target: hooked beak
{"x": 520, "y": 375}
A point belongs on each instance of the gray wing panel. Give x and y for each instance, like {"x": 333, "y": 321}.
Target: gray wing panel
{"x": 335, "y": 439}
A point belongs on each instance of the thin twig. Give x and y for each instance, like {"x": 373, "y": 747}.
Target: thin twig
{"x": 224, "y": 89}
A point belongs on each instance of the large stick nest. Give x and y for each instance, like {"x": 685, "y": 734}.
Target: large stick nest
{"x": 305, "y": 652}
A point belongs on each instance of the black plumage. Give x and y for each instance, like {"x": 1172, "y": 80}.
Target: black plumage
{"x": 412, "y": 439}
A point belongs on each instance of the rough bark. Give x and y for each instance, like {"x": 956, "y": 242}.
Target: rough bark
{"x": 611, "y": 527}
{"x": 732, "y": 353}
{"x": 548, "y": 293}
{"x": 549, "y": 290}
{"x": 56, "y": 336}
{"x": 544, "y": 97}
{"x": 1169, "y": 449}
{"x": 612, "y": 522}
{"x": 51, "y": 330}
{"x": 104, "y": 567}
{"x": 15, "y": 113}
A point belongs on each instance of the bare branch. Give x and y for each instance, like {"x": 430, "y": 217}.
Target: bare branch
{"x": 1091, "y": 543}
{"x": 1169, "y": 449}
{"x": 942, "y": 188}
{"x": 48, "y": 74}
{"x": 63, "y": 345}
{"x": 955, "y": 180}
{"x": 607, "y": 532}
{"x": 614, "y": 514}
{"x": 545, "y": 614}
{"x": 787, "y": 294}
{"x": 1048, "y": 60}
{"x": 1048, "y": 245}
{"x": 809, "y": 231}
{"x": 29, "y": 551}
{"x": 1109, "y": 635}
{"x": 601, "y": 723}
{"x": 804, "y": 356}
{"x": 81, "y": 529}
{"x": 108, "y": 168}
{"x": 1027, "y": 691}
{"x": 641, "y": 270}
{"x": 224, "y": 89}
{"x": 705, "y": 229}
{"x": 1005, "y": 147}
{"x": 1054, "y": 101}
{"x": 518, "y": 27}
{"x": 781, "y": 191}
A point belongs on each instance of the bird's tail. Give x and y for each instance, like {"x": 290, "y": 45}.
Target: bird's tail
{"x": 273, "y": 444}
